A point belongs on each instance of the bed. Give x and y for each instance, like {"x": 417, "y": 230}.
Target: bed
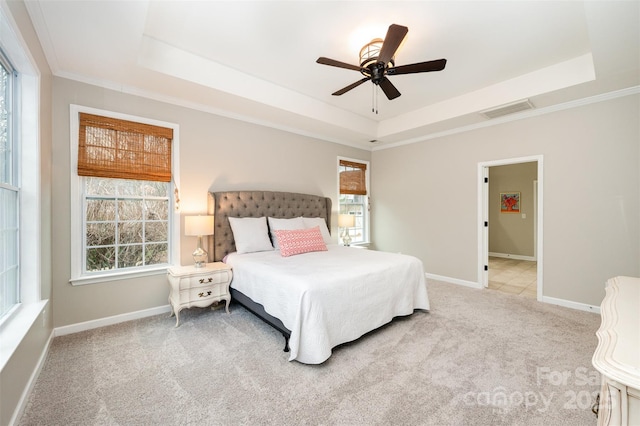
{"x": 319, "y": 299}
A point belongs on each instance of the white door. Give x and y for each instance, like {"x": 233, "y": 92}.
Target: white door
{"x": 483, "y": 221}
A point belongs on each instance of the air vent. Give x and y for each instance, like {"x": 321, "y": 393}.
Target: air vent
{"x": 507, "y": 109}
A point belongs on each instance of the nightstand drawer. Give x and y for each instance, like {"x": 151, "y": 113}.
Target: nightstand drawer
{"x": 204, "y": 293}
{"x": 205, "y": 280}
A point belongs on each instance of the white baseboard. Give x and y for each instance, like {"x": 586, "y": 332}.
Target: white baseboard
{"x": 513, "y": 256}
{"x": 545, "y": 299}
{"x": 465, "y": 283}
{"x": 116, "y": 319}
{"x": 24, "y": 398}
{"x": 570, "y": 304}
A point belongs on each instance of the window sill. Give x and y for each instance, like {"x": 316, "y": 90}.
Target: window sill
{"x": 15, "y": 328}
{"x": 115, "y": 276}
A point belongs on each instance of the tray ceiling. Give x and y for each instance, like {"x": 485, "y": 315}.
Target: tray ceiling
{"x": 255, "y": 60}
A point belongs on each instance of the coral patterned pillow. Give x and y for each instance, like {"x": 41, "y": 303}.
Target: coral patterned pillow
{"x": 300, "y": 241}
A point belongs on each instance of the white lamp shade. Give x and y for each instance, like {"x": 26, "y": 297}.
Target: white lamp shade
{"x": 198, "y": 225}
{"x": 346, "y": 221}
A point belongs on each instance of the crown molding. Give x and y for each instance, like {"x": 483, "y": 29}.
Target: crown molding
{"x": 633, "y": 90}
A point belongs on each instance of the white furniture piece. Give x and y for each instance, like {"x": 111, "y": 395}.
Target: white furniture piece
{"x": 617, "y": 356}
{"x": 190, "y": 286}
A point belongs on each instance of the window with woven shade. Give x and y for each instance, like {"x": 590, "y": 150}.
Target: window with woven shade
{"x": 353, "y": 178}
{"x": 114, "y": 148}
{"x": 126, "y": 193}
{"x": 353, "y": 199}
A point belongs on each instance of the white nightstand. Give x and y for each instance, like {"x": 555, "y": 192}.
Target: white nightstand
{"x": 190, "y": 286}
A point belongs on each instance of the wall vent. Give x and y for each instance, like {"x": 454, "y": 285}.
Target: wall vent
{"x": 507, "y": 109}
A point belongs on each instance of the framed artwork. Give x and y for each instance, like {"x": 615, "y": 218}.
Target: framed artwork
{"x": 509, "y": 202}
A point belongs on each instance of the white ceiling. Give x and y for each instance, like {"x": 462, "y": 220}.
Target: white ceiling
{"x": 255, "y": 60}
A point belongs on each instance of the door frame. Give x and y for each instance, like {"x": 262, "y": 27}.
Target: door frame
{"x": 483, "y": 217}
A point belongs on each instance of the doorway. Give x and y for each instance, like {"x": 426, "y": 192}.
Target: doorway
{"x": 533, "y": 196}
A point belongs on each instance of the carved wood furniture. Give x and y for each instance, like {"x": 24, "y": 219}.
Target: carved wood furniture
{"x": 190, "y": 286}
{"x": 617, "y": 356}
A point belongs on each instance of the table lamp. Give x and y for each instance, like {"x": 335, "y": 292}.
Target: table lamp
{"x": 346, "y": 221}
{"x": 199, "y": 226}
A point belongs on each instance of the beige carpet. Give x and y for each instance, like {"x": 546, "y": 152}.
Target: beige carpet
{"x": 478, "y": 358}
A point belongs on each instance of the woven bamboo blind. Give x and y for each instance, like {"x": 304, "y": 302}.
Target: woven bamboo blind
{"x": 120, "y": 149}
{"x": 353, "y": 178}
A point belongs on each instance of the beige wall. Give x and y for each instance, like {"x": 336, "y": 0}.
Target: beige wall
{"x": 511, "y": 233}
{"x": 424, "y": 196}
{"x": 16, "y": 374}
{"x": 216, "y": 153}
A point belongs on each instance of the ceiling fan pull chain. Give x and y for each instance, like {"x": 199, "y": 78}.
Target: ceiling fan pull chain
{"x": 373, "y": 99}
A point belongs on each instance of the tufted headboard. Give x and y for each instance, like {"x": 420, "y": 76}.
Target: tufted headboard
{"x": 256, "y": 204}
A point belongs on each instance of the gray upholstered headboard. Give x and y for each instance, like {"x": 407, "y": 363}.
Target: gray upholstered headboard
{"x": 223, "y": 205}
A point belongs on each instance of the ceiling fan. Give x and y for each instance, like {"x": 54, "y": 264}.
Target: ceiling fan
{"x": 377, "y": 62}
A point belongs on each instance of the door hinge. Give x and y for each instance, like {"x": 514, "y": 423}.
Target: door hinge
{"x": 486, "y": 180}
{"x": 486, "y": 267}
{"x": 486, "y": 223}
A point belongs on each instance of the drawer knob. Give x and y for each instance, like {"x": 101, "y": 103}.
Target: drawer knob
{"x": 208, "y": 280}
{"x": 596, "y": 407}
{"x": 203, "y": 294}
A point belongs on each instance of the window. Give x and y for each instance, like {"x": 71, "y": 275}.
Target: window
{"x": 127, "y": 224}
{"x": 21, "y": 262}
{"x": 353, "y": 176}
{"x": 9, "y": 192}
{"x": 125, "y": 189}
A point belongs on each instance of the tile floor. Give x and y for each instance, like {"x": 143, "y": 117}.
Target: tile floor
{"x": 513, "y": 276}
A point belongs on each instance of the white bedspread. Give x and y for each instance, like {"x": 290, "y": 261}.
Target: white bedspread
{"x": 331, "y": 297}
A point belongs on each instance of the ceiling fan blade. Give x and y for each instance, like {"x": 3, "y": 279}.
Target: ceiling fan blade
{"x": 394, "y": 37}
{"x": 437, "y": 65}
{"x": 389, "y": 89}
{"x": 332, "y": 62}
{"x": 349, "y": 87}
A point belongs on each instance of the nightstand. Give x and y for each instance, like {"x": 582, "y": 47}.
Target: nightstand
{"x": 359, "y": 247}
{"x": 190, "y": 286}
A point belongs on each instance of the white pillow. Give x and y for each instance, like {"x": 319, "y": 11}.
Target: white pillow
{"x": 250, "y": 234}
{"x": 310, "y": 222}
{"x": 283, "y": 224}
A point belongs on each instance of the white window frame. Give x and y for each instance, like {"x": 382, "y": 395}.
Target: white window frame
{"x": 78, "y": 277}
{"x": 14, "y": 168}
{"x": 17, "y": 324}
{"x": 367, "y": 199}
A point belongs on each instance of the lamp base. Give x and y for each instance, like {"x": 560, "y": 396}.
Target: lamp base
{"x": 346, "y": 238}
{"x": 200, "y": 256}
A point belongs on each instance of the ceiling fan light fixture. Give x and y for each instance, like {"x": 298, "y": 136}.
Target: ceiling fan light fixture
{"x": 377, "y": 61}
{"x": 370, "y": 52}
